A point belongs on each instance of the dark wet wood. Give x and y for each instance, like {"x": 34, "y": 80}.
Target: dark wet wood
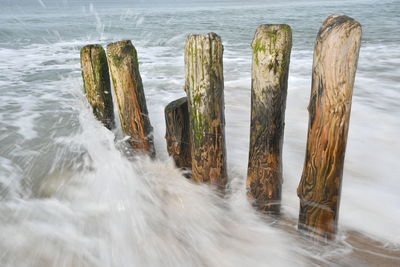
{"x": 335, "y": 63}
{"x": 177, "y": 133}
{"x": 204, "y": 86}
{"x": 128, "y": 88}
{"x": 270, "y": 68}
{"x": 96, "y": 83}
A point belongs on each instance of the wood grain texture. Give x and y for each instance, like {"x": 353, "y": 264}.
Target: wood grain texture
{"x": 270, "y": 68}
{"x": 177, "y": 133}
{"x": 96, "y": 83}
{"x": 128, "y": 88}
{"x": 335, "y": 63}
{"x": 204, "y": 86}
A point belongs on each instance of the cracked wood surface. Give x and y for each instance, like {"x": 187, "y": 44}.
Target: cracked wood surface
{"x": 204, "y": 86}
{"x": 177, "y": 133}
{"x": 334, "y": 67}
{"x": 128, "y": 88}
{"x": 96, "y": 83}
{"x": 270, "y": 67}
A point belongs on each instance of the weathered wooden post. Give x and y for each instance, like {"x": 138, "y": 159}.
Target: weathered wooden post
{"x": 177, "y": 133}
{"x": 96, "y": 83}
{"x": 204, "y": 86}
{"x": 335, "y": 63}
{"x": 128, "y": 88}
{"x": 270, "y": 68}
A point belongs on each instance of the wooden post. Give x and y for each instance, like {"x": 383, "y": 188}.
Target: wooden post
{"x": 270, "y": 68}
{"x": 177, "y": 133}
{"x": 133, "y": 114}
{"x": 96, "y": 83}
{"x": 204, "y": 86}
{"x": 335, "y": 63}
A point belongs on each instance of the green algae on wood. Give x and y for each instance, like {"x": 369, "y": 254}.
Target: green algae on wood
{"x": 204, "y": 86}
{"x": 270, "y": 68}
{"x": 128, "y": 88}
{"x": 96, "y": 82}
{"x": 178, "y": 133}
{"x": 335, "y": 62}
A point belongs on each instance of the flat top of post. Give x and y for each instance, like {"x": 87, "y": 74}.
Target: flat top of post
{"x": 273, "y": 26}
{"x": 271, "y": 34}
{"x": 176, "y": 103}
{"x": 90, "y": 47}
{"x": 120, "y": 43}
{"x": 210, "y": 35}
{"x": 337, "y": 21}
{"x": 119, "y": 50}
{"x": 271, "y": 30}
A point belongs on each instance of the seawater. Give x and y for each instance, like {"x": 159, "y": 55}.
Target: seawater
{"x": 70, "y": 197}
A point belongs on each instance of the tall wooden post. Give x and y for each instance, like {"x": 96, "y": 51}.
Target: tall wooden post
{"x": 96, "y": 83}
{"x": 177, "y": 133}
{"x": 204, "y": 86}
{"x": 133, "y": 114}
{"x": 335, "y": 63}
{"x": 270, "y": 68}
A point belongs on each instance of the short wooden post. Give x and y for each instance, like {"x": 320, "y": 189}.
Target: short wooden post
{"x": 270, "y": 68}
{"x": 335, "y": 63}
{"x": 204, "y": 86}
{"x": 96, "y": 82}
{"x": 177, "y": 133}
{"x": 128, "y": 88}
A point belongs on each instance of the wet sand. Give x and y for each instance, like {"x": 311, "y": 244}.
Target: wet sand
{"x": 351, "y": 248}
{"x": 367, "y": 252}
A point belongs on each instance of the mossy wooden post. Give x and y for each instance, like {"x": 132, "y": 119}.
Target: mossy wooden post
{"x": 334, "y": 68}
{"x": 96, "y": 83}
{"x": 128, "y": 88}
{"x": 270, "y": 68}
{"x": 204, "y": 86}
{"x": 177, "y": 133}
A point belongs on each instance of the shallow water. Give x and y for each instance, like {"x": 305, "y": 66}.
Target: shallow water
{"x": 70, "y": 197}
